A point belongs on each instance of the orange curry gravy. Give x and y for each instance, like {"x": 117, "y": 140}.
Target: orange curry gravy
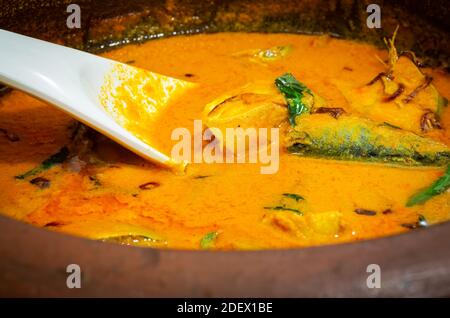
{"x": 215, "y": 206}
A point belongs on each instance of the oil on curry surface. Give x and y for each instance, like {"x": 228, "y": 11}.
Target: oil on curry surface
{"x": 364, "y": 149}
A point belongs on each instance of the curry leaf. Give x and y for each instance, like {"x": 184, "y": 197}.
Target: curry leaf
{"x": 283, "y": 208}
{"x": 390, "y": 125}
{"x": 208, "y": 240}
{"x": 54, "y": 159}
{"x": 438, "y": 187}
{"x": 294, "y": 196}
{"x": 293, "y": 91}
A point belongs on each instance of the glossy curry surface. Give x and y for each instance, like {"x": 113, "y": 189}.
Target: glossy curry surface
{"x": 104, "y": 192}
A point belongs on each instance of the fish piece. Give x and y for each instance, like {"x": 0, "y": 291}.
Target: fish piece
{"x": 385, "y": 101}
{"x": 351, "y": 137}
{"x": 261, "y": 104}
{"x": 317, "y": 133}
{"x": 400, "y": 95}
{"x": 254, "y": 105}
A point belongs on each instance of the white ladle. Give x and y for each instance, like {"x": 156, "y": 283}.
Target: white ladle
{"x": 72, "y": 81}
